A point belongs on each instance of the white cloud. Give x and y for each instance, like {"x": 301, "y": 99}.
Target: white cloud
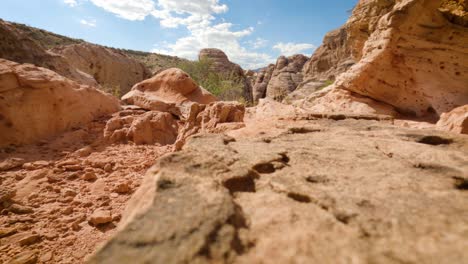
{"x": 71, "y": 3}
{"x": 258, "y": 43}
{"x": 89, "y": 23}
{"x": 198, "y": 17}
{"x": 127, "y": 9}
{"x": 288, "y": 49}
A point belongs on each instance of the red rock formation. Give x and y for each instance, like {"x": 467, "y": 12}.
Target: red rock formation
{"x": 115, "y": 71}
{"x": 36, "y": 103}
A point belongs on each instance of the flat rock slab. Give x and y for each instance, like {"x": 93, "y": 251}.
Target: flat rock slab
{"x": 350, "y": 191}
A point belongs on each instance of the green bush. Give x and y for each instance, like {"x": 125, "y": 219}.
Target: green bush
{"x": 227, "y": 87}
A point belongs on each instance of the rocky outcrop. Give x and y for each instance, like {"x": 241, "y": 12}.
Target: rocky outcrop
{"x": 168, "y": 109}
{"x": 167, "y": 91}
{"x": 286, "y": 76}
{"x": 348, "y": 190}
{"x": 17, "y": 46}
{"x": 36, "y": 103}
{"x": 343, "y": 47}
{"x": 114, "y": 70}
{"x": 220, "y": 64}
{"x": 455, "y": 121}
{"x": 261, "y": 82}
{"x": 415, "y": 60}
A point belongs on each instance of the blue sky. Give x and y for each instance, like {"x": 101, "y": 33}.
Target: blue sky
{"x": 253, "y": 33}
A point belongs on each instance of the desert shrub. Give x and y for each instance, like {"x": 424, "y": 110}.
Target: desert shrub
{"x": 326, "y": 84}
{"x": 227, "y": 87}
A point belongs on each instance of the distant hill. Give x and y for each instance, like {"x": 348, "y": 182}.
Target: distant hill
{"x": 49, "y": 40}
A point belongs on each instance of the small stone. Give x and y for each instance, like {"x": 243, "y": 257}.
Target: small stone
{"x": 20, "y": 209}
{"x": 29, "y": 240}
{"x": 46, "y": 257}
{"x": 5, "y": 232}
{"x": 68, "y": 211}
{"x": 100, "y": 216}
{"x": 6, "y": 194}
{"x": 84, "y": 152}
{"x": 69, "y": 192}
{"x": 89, "y": 176}
{"x": 35, "y": 165}
{"x": 39, "y": 174}
{"x": 51, "y": 178}
{"x": 27, "y": 257}
{"x": 108, "y": 167}
{"x": 11, "y": 163}
{"x": 122, "y": 188}
{"x": 73, "y": 167}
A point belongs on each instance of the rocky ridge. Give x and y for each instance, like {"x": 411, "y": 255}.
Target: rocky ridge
{"x": 115, "y": 71}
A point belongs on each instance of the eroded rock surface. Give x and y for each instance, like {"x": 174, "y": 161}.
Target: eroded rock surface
{"x": 167, "y": 91}
{"x": 415, "y": 60}
{"x": 36, "y": 103}
{"x": 115, "y": 71}
{"x": 350, "y": 190}
{"x": 455, "y": 120}
{"x": 285, "y": 77}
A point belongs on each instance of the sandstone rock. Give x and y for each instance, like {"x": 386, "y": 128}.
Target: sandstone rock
{"x": 89, "y": 176}
{"x": 114, "y": 70}
{"x": 29, "y": 239}
{"x": 332, "y": 100}
{"x": 6, "y": 194}
{"x": 261, "y": 83}
{"x": 167, "y": 90}
{"x": 348, "y": 190}
{"x": 343, "y": 47}
{"x": 36, "y": 103}
{"x": 26, "y": 257}
{"x": 17, "y": 46}
{"x": 5, "y": 232}
{"x": 221, "y": 64}
{"x": 11, "y": 163}
{"x": 414, "y": 60}
{"x": 100, "y": 216}
{"x": 20, "y": 209}
{"x": 455, "y": 120}
{"x": 148, "y": 128}
{"x": 286, "y": 76}
{"x": 214, "y": 118}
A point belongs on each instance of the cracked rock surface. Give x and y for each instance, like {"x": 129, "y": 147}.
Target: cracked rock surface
{"x": 302, "y": 191}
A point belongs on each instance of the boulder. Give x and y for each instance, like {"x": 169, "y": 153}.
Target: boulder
{"x": 17, "y": 46}
{"x": 414, "y": 58}
{"x": 142, "y": 127}
{"x": 455, "y": 120}
{"x": 286, "y": 76}
{"x": 320, "y": 191}
{"x": 166, "y": 91}
{"x": 114, "y": 70}
{"x": 36, "y": 103}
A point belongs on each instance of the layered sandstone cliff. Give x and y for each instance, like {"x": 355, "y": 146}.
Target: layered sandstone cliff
{"x": 114, "y": 70}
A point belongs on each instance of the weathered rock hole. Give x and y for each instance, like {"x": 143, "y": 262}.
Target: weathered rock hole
{"x": 317, "y": 179}
{"x": 284, "y": 158}
{"x": 241, "y": 184}
{"x": 264, "y": 168}
{"x": 303, "y": 130}
{"x": 165, "y": 184}
{"x": 299, "y": 197}
{"x": 461, "y": 183}
{"x": 435, "y": 140}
